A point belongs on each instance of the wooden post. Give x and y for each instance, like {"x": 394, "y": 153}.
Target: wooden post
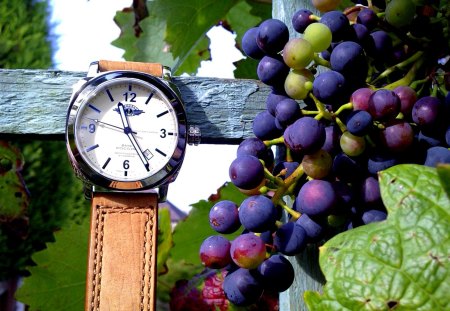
{"x": 308, "y": 275}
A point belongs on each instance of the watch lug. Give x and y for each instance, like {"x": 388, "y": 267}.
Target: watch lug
{"x": 167, "y": 73}
{"x": 162, "y": 193}
{"x": 93, "y": 70}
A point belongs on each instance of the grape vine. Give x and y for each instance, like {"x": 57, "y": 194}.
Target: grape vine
{"x": 354, "y": 92}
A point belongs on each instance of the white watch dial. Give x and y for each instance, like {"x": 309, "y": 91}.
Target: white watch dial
{"x": 126, "y": 130}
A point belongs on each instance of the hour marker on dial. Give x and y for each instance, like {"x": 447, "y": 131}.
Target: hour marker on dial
{"x": 94, "y": 108}
{"x": 109, "y": 95}
{"x": 162, "y": 113}
{"x": 160, "y": 152}
{"x": 148, "y": 98}
{"x": 106, "y": 163}
{"x": 91, "y": 148}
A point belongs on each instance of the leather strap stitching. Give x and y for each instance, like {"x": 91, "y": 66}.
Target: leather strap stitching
{"x": 102, "y": 211}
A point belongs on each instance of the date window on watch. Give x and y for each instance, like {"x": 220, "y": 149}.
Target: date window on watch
{"x": 148, "y": 154}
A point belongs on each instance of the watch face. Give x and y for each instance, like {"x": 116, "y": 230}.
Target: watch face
{"x": 127, "y": 130}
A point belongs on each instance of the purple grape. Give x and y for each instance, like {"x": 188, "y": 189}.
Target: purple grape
{"x": 274, "y": 97}
{"x": 338, "y": 24}
{"x": 361, "y": 33}
{"x": 246, "y": 172}
{"x": 272, "y": 35}
{"x": 224, "y": 217}
{"x": 264, "y": 126}
{"x": 349, "y": 59}
{"x": 384, "y": 105}
{"x": 256, "y": 147}
{"x": 332, "y": 136}
{"x": 359, "y": 122}
{"x": 407, "y": 97}
{"x": 380, "y": 45}
{"x": 316, "y": 197}
{"x": 347, "y": 168}
{"x": 370, "y": 191}
{"x": 427, "y": 140}
{"x": 301, "y": 20}
{"x": 329, "y": 87}
{"x": 272, "y": 71}
{"x": 248, "y": 251}
{"x": 373, "y": 215}
{"x": 290, "y": 239}
{"x": 380, "y": 161}
{"x": 241, "y": 288}
{"x": 249, "y": 45}
{"x": 305, "y": 135}
{"x": 398, "y": 136}
{"x": 360, "y": 98}
{"x": 276, "y": 273}
{"x": 215, "y": 252}
{"x": 257, "y": 213}
{"x": 426, "y": 110}
{"x": 436, "y": 155}
{"x": 287, "y": 111}
{"x": 314, "y": 230}
{"x": 368, "y": 18}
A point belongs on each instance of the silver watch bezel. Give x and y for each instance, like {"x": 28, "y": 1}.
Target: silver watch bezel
{"x": 167, "y": 174}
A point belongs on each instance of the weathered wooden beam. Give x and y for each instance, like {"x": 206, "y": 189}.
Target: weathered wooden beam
{"x": 34, "y": 102}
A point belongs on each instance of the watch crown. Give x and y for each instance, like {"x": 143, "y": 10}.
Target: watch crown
{"x": 194, "y": 135}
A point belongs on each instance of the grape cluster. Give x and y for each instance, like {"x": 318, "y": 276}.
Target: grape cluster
{"x": 353, "y": 92}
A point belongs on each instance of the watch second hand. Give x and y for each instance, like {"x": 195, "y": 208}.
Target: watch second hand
{"x": 127, "y": 130}
{"x": 110, "y": 125}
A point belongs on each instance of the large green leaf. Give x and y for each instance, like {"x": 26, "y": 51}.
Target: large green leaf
{"x": 402, "y": 262}
{"x": 174, "y": 32}
{"x": 57, "y": 282}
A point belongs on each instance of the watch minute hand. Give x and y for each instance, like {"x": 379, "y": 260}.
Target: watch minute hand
{"x": 127, "y": 130}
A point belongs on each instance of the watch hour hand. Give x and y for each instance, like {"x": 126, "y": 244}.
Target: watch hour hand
{"x": 127, "y": 130}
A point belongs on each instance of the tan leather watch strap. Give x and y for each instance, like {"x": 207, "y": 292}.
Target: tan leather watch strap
{"x": 154, "y": 69}
{"x": 122, "y": 252}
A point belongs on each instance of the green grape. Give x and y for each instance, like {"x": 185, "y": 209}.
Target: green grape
{"x": 352, "y": 145}
{"x": 319, "y": 35}
{"x": 298, "y": 83}
{"x": 318, "y": 164}
{"x": 298, "y": 53}
{"x": 400, "y": 13}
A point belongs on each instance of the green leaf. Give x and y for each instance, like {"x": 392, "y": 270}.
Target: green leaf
{"x": 184, "y": 261}
{"x": 402, "y": 262}
{"x": 179, "y": 40}
{"x": 444, "y": 175}
{"x": 190, "y": 23}
{"x": 13, "y": 193}
{"x": 165, "y": 241}
{"x": 57, "y": 282}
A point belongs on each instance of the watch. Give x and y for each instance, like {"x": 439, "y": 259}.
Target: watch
{"x": 126, "y": 136}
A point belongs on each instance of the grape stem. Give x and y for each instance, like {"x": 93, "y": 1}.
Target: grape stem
{"x": 275, "y": 141}
{"x": 320, "y": 61}
{"x": 276, "y": 180}
{"x": 408, "y": 78}
{"x": 321, "y": 108}
{"x": 344, "y": 107}
{"x": 295, "y": 215}
{"x": 399, "y": 66}
{"x": 287, "y": 184}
